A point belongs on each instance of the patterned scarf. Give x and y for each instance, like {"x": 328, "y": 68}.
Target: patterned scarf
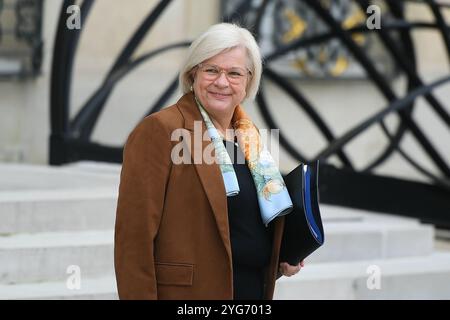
{"x": 273, "y": 197}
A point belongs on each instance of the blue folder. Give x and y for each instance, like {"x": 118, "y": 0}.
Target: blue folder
{"x": 303, "y": 229}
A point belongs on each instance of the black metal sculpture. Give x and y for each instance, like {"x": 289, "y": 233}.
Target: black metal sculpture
{"x": 70, "y": 138}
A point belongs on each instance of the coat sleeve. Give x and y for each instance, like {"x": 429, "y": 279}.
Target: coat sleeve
{"x": 145, "y": 172}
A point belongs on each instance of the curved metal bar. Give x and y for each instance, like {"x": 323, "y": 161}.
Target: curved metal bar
{"x": 437, "y": 180}
{"x": 59, "y": 99}
{"x": 165, "y": 96}
{"x": 323, "y": 128}
{"x": 261, "y": 100}
{"x": 259, "y": 17}
{"x": 326, "y": 36}
{"x": 381, "y": 84}
{"x": 362, "y": 29}
{"x": 66, "y": 42}
{"x": 108, "y": 85}
{"x": 87, "y": 150}
{"x": 440, "y": 5}
{"x": 139, "y": 35}
{"x": 405, "y": 64}
{"x": 397, "y": 10}
{"x": 304, "y": 104}
{"x": 84, "y": 122}
{"x": 393, "y": 146}
{"x": 441, "y": 24}
{"x": 322, "y": 37}
{"x": 393, "y": 141}
{"x": 240, "y": 10}
{"x": 131, "y": 65}
{"x": 378, "y": 117}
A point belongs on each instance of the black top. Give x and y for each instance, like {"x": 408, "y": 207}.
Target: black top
{"x": 251, "y": 240}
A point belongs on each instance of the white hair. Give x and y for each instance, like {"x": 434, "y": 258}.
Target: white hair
{"x": 219, "y": 38}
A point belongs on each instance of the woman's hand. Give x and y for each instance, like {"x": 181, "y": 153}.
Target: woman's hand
{"x": 287, "y": 270}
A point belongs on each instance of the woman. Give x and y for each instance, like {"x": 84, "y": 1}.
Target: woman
{"x": 196, "y": 228}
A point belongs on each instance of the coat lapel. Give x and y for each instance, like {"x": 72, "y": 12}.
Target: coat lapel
{"x": 209, "y": 174}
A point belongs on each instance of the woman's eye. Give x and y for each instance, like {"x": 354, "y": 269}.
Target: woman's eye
{"x": 214, "y": 71}
{"x": 234, "y": 74}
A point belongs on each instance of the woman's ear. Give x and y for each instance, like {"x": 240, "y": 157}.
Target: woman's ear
{"x": 192, "y": 74}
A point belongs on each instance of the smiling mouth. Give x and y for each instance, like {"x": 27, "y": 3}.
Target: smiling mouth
{"x": 220, "y": 94}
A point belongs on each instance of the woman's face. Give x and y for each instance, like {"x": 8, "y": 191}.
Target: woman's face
{"x": 219, "y": 92}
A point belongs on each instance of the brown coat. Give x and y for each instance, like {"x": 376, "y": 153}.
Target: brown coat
{"x": 172, "y": 239}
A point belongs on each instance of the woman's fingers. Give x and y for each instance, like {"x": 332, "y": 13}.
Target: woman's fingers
{"x": 288, "y": 270}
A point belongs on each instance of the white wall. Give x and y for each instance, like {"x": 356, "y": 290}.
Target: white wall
{"x": 24, "y": 115}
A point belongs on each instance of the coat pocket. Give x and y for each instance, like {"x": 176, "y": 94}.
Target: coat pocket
{"x": 175, "y": 274}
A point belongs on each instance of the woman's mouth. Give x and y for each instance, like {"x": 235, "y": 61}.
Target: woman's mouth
{"x": 220, "y": 96}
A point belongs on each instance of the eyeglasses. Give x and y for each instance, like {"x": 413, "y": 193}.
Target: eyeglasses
{"x": 212, "y": 72}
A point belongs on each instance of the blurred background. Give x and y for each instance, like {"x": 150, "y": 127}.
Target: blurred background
{"x": 360, "y": 85}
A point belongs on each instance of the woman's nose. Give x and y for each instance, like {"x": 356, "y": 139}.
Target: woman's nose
{"x": 222, "y": 80}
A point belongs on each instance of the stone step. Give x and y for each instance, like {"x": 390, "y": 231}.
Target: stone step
{"x": 425, "y": 277}
{"x": 45, "y": 199}
{"x": 22, "y": 177}
{"x": 374, "y": 238}
{"x": 101, "y": 168}
{"x": 103, "y": 288}
{"x": 33, "y": 211}
{"x": 47, "y": 256}
{"x": 402, "y": 278}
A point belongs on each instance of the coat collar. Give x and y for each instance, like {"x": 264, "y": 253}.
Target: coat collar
{"x": 209, "y": 174}
{"x": 189, "y": 110}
